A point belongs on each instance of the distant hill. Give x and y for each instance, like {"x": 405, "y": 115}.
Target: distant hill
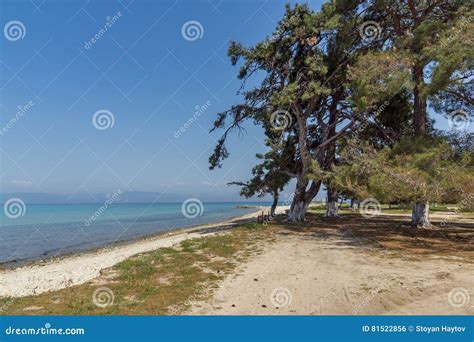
{"x": 125, "y": 197}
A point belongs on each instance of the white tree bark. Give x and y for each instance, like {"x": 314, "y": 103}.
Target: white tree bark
{"x": 354, "y": 205}
{"x": 420, "y": 215}
{"x": 298, "y": 211}
{"x": 331, "y": 206}
{"x": 331, "y": 209}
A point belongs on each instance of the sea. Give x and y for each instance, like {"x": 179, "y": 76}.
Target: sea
{"x": 42, "y": 231}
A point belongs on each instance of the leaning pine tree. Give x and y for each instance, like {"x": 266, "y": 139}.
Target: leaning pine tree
{"x": 302, "y": 93}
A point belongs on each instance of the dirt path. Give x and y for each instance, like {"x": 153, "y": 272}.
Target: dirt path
{"x": 301, "y": 274}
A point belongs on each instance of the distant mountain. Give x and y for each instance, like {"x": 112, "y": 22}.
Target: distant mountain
{"x": 32, "y": 197}
{"x": 125, "y": 197}
{"x": 132, "y": 197}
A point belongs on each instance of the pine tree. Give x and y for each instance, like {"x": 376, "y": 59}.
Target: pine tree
{"x": 428, "y": 48}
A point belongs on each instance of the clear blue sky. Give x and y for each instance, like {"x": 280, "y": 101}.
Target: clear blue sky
{"x": 146, "y": 74}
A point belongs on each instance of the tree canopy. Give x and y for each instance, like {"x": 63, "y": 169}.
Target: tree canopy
{"x": 347, "y": 89}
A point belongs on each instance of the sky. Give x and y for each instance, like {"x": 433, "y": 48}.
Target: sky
{"x": 97, "y": 115}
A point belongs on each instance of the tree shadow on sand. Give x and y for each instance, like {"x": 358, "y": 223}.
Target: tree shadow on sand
{"x": 388, "y": 233}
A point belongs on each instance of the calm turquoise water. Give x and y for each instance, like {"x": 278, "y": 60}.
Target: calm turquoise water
{"x": 50, "y": 230}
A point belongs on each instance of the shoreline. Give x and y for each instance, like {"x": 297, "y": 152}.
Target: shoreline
{"x": 18, "y": 263}
{"x": 68, "y": 270}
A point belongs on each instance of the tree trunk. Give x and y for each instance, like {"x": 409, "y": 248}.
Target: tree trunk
{"x": 298, "y": 211}
{"x": 275, "y": 203}
{"x": 303, "y": 194}
{"x": 419, "y": 103}
{"x": 302, "y": 200}
{"x": 297, "y": 205}
{"x": 420, "y": 215}
{"x": 331, "y": 209}
{"x": 356, "y": 205}
{"x": 331, "y": 206}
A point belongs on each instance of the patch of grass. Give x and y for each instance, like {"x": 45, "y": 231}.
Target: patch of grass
{"x": 163, "y": 281}
{"x": 387, "y": 209}
{"x": 187, "y": 246}
{"x": 253, "y": 226}
{"x": 392, "y": 210}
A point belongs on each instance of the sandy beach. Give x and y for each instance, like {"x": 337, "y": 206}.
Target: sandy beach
{"x": 77, "y": 269}
{"x": 304, "y": 273}
{"x": 347, "y": 266}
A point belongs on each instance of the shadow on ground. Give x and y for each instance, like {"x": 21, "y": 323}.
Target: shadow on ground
{"x": 390, "y": 233}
